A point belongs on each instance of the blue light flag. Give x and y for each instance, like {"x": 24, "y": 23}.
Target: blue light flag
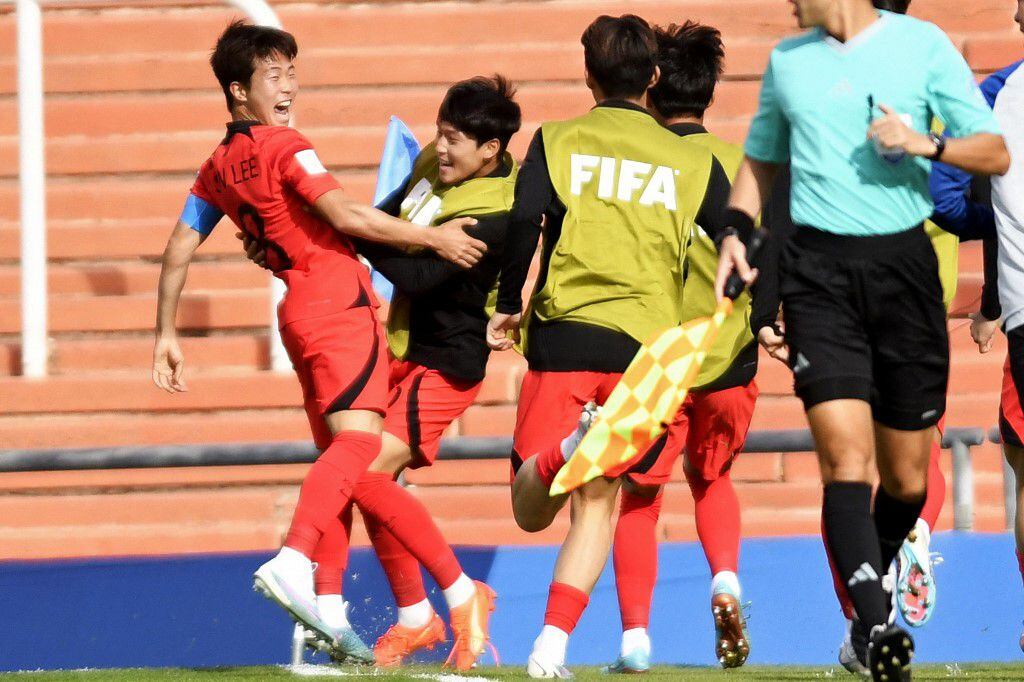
{"x": 400, "y": 151}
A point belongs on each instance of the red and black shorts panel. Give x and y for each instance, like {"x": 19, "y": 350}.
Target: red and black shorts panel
{"x": 549, "y": 408}
{"x": 341, "y": 362}
{"x": 1011, "y": 414}
{"x": 422, "y": 404}
{"x": 711, "y": 427}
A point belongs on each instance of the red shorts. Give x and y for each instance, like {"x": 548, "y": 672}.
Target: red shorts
{"x": 1011, "y": 416}
{"x": 341, "y": 361}
{"x": 710, "y": 426}
{"x": 422, "y": 405}
{"x": 550, "y": 404}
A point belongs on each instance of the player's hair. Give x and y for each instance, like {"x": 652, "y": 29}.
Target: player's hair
{"x": 240, "y": 46}
{"x": 620, "y": 54}
{"x": 483, "y": 109}
{"x": 898, "y": 6}
{"x": 690, "y": 58}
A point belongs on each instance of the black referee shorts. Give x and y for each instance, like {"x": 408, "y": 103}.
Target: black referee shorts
{"x": 865, "y": 321}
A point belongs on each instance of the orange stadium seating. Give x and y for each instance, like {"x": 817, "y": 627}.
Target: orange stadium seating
{"x": 132, "y": 109}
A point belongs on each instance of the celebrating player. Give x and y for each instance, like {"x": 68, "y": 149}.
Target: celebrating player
{"x": 619, "y": 195}
{"x": 712, "y": 425}
{"x": 264, "y": 176}
{"x": 437, "y": 333}
{"x": 864, "y": 318}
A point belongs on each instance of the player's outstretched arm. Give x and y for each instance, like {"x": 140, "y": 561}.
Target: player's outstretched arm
{"x": 750, "y": 192}
{"x": 168, "y": 360}
{"x": 449, "y": 240}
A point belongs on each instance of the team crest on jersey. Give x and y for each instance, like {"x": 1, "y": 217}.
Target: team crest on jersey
{"x": 623, "y": 180}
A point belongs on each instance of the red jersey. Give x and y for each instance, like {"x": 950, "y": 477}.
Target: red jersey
{"x": 266, "y": 178}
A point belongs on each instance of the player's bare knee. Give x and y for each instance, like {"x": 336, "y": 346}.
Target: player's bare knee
{"x": 394, "y": 456}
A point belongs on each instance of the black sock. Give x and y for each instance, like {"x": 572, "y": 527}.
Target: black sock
{"x": 894, "y": 519}
{"x": 853, "y": 544}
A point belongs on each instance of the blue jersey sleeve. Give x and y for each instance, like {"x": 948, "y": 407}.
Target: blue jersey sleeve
{"x": 955, "y": 211}
{"x": 953, "y": 95}
{"x": 200, "y": 215}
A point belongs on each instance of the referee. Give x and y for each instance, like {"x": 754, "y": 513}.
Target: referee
{"x": 848, "y": 104}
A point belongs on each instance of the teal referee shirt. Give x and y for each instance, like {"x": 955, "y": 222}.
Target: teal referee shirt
{"x": 815, "y": 112}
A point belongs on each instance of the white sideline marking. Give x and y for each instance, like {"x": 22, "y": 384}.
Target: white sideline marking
{"x": 311, "y": 670}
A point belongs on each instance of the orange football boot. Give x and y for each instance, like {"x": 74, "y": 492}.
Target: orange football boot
{"x": 471, "y": 628}
{"x": 399, "y": 642}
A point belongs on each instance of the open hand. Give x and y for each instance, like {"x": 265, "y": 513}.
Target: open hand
{"x": 451, "y": 242}
{"x": 168, "y": 365}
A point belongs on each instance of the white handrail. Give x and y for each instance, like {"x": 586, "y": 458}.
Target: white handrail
{"x": 32, "y": 174}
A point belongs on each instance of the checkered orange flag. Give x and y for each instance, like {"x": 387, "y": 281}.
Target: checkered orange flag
{"x": 647, "y": 396}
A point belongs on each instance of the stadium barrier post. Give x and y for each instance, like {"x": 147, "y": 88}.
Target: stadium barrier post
{"x": 32, "y": 178}
{"x": 963, "y": 486}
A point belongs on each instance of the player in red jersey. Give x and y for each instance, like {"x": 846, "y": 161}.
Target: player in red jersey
{"x": 268, "y": 180}
{"x": 711, "y": 426}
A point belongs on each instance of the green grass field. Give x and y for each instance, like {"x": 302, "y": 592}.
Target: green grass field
{"x": 933, "y": 672}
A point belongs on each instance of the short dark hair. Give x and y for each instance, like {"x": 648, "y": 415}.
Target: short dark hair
{"x": 483, "y": 109}
{"x": 240, "y": 46}
{"x": 690, "y": 58}
{"x": 898, "y": 6}
{"x": 620, "y": 54}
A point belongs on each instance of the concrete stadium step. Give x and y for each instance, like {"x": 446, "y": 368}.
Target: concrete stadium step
{"x": 120, "y": 279}
{"x": 223, "y": 309}
{"x": 135, "y": 392}
{"x": 348, "y": 66}
{"x": 445, "y": 24}
{"x": 349, "y": 147}
{"x": 89, "y": 355}
{"x": 111, "y": 430}
{"x": 136, "y": 239}
{"x": 95, "y": 201}
{"x": 97, "y": 116}
{"x": 111, "y": 481}
{"x": 442, "y": 24}
{"x": 401, "y": 65}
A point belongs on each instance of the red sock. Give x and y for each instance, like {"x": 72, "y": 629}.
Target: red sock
{"x": 400, "y": 567}
{"x": 936, "y": 493}
{"x": 565, "y": 606}
{"x": 549, "y": 463}
{"x": 392, "y": 506}
{"x": 845, "y": 603}
{"x": 328, "y": 487}
{"x": 717, "y": 513}
{"x": 331, "y": 554}
{"x": 635, "y": 554}
{"x": 1020, "y": 563}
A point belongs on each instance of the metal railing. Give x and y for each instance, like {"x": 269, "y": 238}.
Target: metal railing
{"x": 958, "y": 440}
{"x": 32, "y": 177}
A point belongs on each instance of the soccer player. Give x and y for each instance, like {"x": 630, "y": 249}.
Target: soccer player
{"x": 1003, "y": 296}
{"x": 712, "y": 425}
{"x": 864, "y": 318}
{"x": 268, "y": 179}
{"x": 619, "y": 195}
{"x": 437, "y": 337}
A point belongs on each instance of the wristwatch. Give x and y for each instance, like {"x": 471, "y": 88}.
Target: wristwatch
{"x": 940, "y": 146}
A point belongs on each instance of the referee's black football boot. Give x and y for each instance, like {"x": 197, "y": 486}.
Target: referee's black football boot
{"x": 890, "y": 652}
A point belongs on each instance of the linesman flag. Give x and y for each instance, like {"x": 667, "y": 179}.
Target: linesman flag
{"x": 396, "y": 161}
{"x": 648, "y": 395}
